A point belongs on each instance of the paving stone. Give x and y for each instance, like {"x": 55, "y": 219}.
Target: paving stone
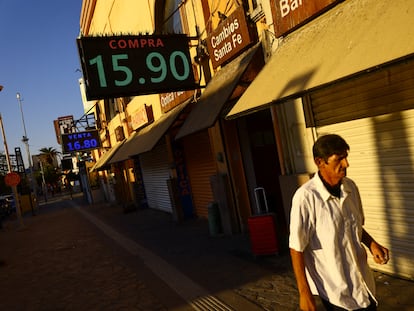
{"x": 61, "y": 261}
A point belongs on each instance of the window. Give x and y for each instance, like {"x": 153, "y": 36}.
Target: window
{"x": 168, "y": 17}
{"x": 111, "y": 108}
{"x": 255, "y": 10}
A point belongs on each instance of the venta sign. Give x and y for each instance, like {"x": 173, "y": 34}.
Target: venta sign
{"x": 117, "y": 66}
{"x": 80, "y": 141}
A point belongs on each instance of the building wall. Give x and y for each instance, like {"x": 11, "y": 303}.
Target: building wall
{"x": 120, "y": 17}
{"x": 111, "y": 17}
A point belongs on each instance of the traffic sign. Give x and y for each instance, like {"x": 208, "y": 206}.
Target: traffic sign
{"x": 12, "y": 179}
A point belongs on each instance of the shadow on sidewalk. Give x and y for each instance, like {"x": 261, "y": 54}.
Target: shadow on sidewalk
{"x": 224, "y": 265}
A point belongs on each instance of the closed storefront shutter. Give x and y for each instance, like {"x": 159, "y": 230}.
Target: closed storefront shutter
{"x": 155, "y": 173}
{"x": 384, "y": 91}
{"x": 201, "y": 166}
{"x": 382, "y": 164}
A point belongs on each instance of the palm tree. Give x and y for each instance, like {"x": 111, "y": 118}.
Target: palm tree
{"x": 48, "y": 158}
{"x": 49, "y": 155}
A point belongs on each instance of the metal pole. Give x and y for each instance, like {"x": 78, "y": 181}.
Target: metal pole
{"x": 25, "y": 140}
{"x": 43, "y": 179}
{"x": 9, "y": 166}
{"x": 21, "y": 110}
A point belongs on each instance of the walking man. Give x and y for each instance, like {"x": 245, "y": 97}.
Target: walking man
{"x": 326, "y": 235}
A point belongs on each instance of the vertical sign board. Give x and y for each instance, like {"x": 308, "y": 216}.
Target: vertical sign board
{"x": 18, "y": 161}
{"x": 232, "y": 36}
{"x": 63, "y": 125}
{"x": 119, "y": 66}
{"x": 290, "y": 14}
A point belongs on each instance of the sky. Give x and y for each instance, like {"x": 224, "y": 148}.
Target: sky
{"x": 38, "y": 59}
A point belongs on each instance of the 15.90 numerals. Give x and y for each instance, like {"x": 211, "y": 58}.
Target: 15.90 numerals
{"x": 177, "y": 64}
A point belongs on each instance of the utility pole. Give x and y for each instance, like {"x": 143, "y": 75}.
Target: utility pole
{"x": 25, "y": 140}
{"x": 44, "y": 187}
{"x": 9, "y": 166}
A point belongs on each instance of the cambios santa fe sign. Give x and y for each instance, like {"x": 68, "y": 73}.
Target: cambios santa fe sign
{"x": 230, "y": 37}
{"x": 116, "y": 66}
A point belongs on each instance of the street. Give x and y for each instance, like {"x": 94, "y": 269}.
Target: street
{"x": 69, "y": 266}
{"x": 73, "y": 256}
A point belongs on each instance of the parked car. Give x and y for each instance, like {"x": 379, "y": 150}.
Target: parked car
{"x": 7, "y": 206}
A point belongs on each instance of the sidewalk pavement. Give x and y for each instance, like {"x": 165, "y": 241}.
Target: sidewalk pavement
{"x": 144, "y": 260}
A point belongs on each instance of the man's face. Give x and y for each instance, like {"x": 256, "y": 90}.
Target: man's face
{"x": 334, "y": 169}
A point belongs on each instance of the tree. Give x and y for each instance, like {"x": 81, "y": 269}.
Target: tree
{"x": 49, "y": 155}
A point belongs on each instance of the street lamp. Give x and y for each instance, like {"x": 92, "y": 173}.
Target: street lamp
{"x": 44, "y": 187}
{"x": 9, "y": 166}
{"x": 25, "y": 140}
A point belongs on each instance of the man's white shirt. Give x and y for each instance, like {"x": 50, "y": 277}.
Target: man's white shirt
{"x": 328, "y": 230}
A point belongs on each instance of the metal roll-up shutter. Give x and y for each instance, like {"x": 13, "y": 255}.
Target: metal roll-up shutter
{"x": 155, "y": 173}
{"x": 201, "y": 166}
{"x": 386, "y": 90}
{"x": 381, "y": 162}
{"x": 377, "y": 121}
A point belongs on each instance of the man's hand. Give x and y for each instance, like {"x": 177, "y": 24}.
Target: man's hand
{"x": 306, "y": 299}
{"x": 380, "y": 253}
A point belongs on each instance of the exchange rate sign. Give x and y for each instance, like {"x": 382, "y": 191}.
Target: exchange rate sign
{"x": 117, "y": 66}
{"x": 80, "y": 141}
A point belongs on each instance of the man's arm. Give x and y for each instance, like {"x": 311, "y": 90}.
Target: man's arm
{"x": 380, "y": 253}
{"x": 306, "y": 299}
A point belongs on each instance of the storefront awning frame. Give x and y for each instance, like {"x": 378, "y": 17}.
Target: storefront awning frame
{"x": 353, "y": 37}
{"x": 145, "y": 139}
{"x": 103, "y": 161}
{"x": 216, "y": 94}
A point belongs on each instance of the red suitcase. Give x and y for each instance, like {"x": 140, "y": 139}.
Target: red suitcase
{"x": 262, "y": 227}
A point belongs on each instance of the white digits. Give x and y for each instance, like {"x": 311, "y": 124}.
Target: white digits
{"x": 286, "y": 6}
